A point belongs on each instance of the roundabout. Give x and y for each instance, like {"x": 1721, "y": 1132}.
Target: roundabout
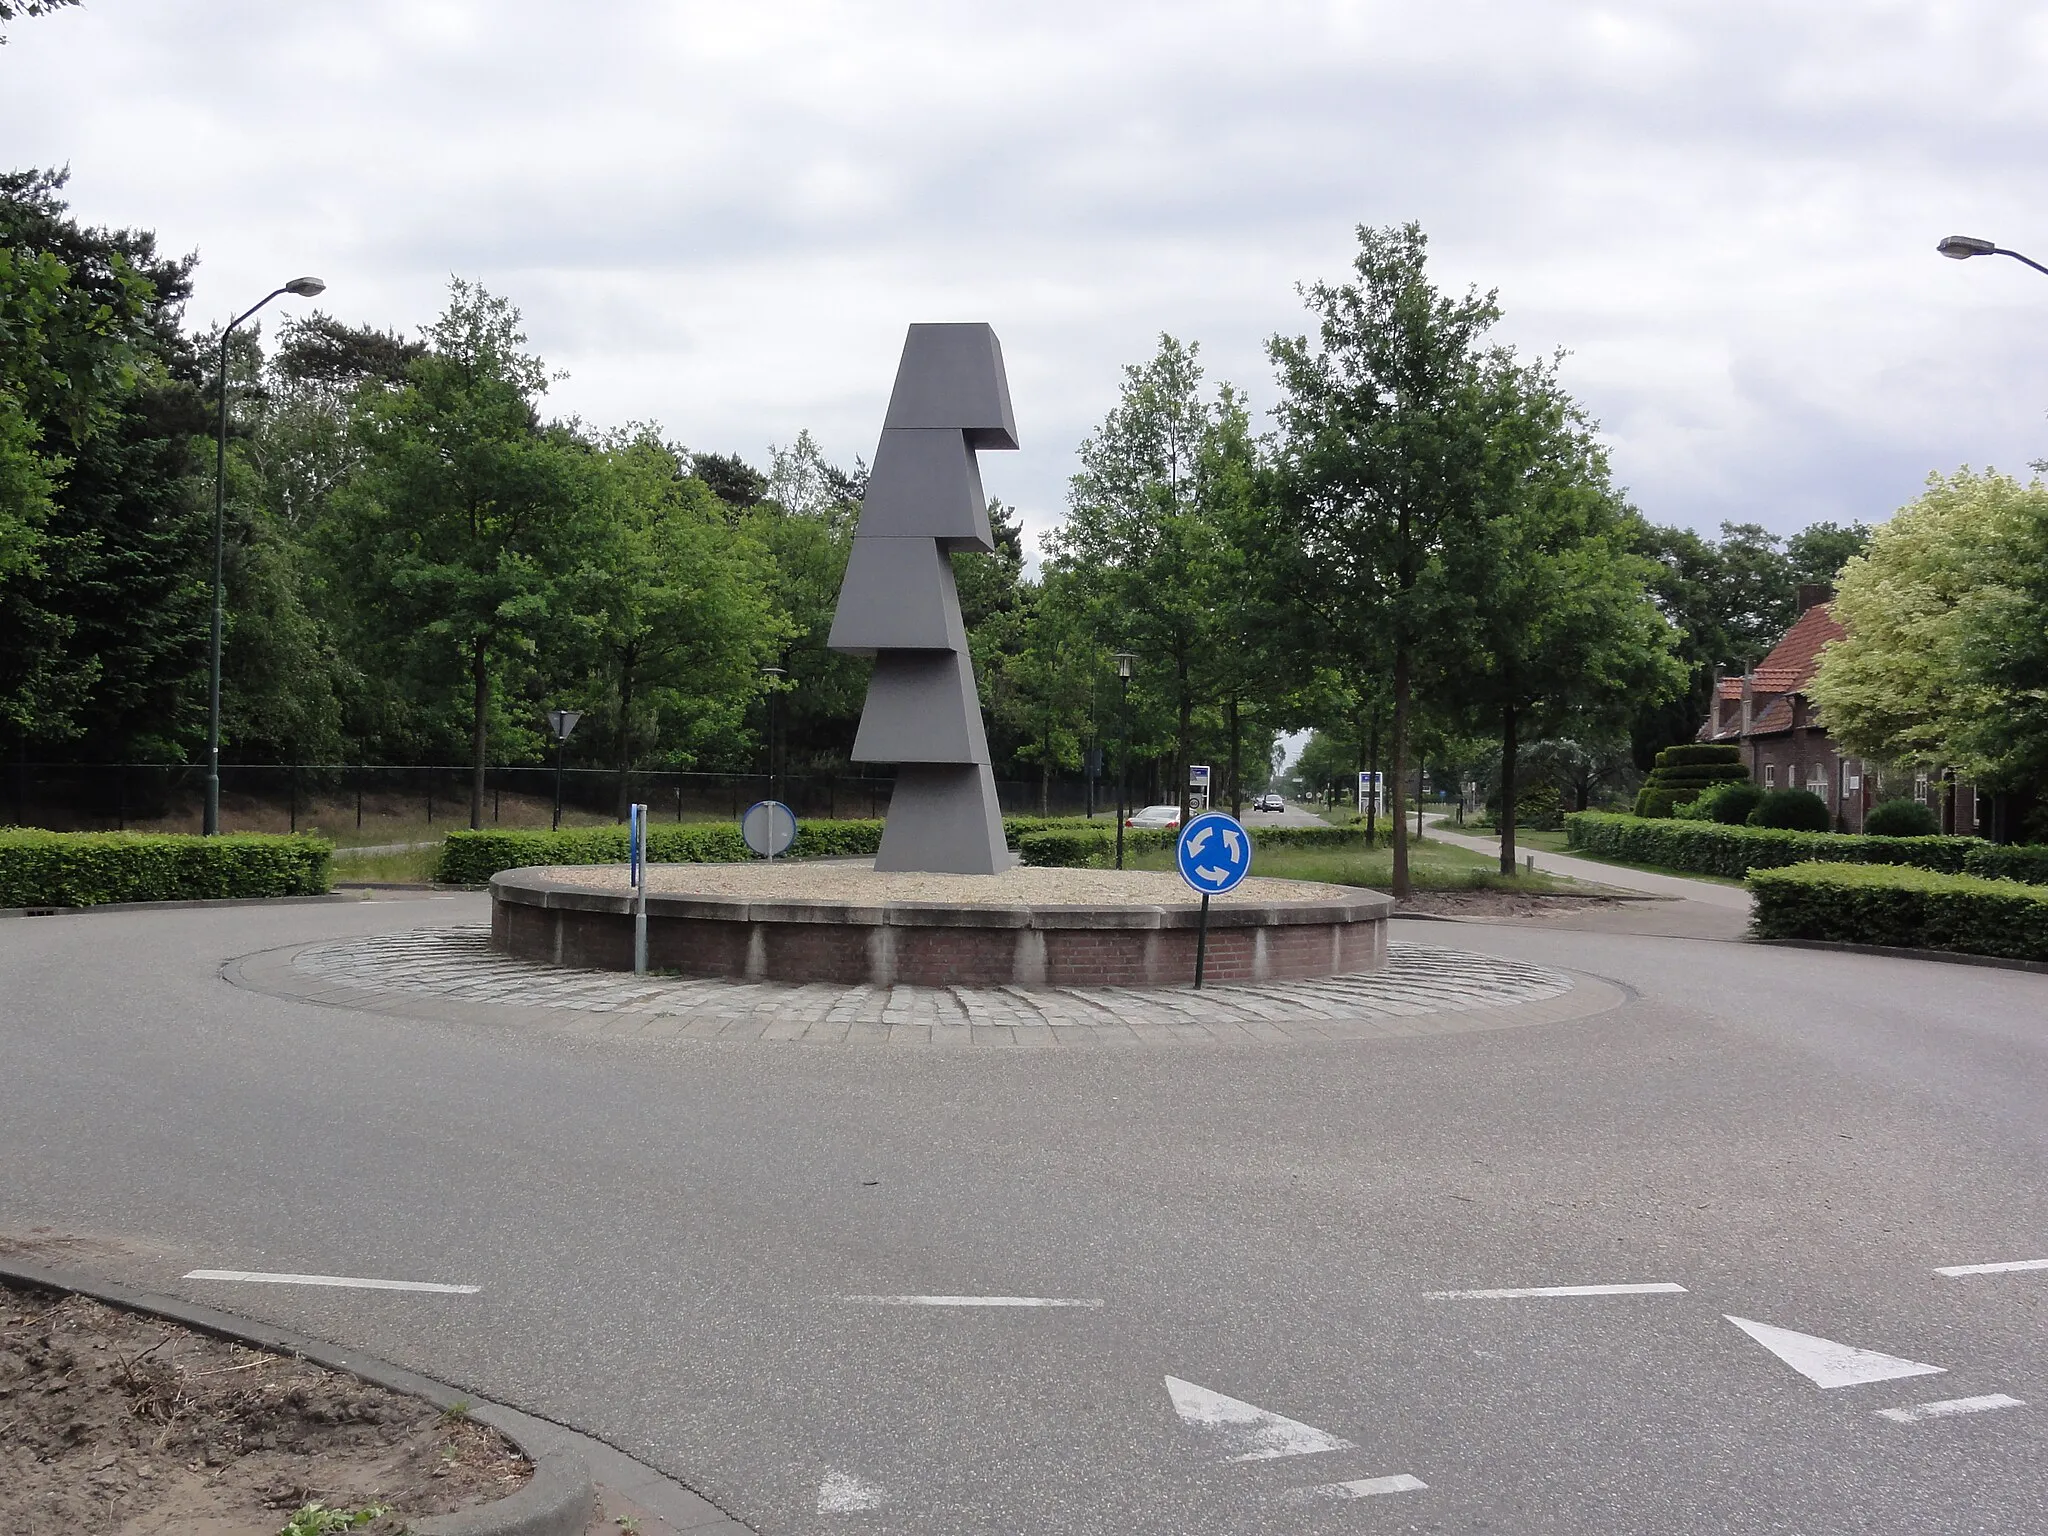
{"x": 845, "y": 923}
{"x": 455, "y": 973}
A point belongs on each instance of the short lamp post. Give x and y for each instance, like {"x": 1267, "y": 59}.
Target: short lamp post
{"x": 305, "y": 288}
{"x": 775, "y": 675}
{"x": 1123, "y": 760}
{"x": 1963, "y": 247}
{"x": 563, "y": 723}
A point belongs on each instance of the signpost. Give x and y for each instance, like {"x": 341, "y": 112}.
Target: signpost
{"x": 636, "y": 865}
{"x": 1198, "y": 784}
{"x": 1214, "y": 854}
{"x": 769, "y": 827}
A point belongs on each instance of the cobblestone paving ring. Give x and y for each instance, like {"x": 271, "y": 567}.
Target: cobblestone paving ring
{"x": 451, "y": 973}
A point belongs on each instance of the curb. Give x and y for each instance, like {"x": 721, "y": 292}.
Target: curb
{"x": 1943, "y": 956}
{"x": 556, "y": 1501}
{"x": 178, "y": 906}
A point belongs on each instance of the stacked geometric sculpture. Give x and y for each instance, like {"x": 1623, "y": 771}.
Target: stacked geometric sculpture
{"x": 898, "y": 603}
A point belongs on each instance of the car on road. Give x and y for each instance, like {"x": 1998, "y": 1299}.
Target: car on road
{"x": 1269, "y": 802}
{"x": 1167, "y": 816}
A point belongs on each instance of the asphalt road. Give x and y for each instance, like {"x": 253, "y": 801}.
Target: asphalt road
{"x": 664, "y": 1234}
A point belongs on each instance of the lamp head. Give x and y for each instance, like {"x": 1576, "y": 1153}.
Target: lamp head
{"x": 1123, "y": 664}
{"x": 305, "y": 287}
{"x": 1963, "y": 247}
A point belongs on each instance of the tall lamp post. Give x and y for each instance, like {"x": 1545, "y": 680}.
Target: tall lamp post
{"x": 305, "y": 288}
{"x": 1123, "y": 760}
{"x": 562, "y": 722}
{"x": 1963, "y": 247}
{"x": 775, "y": 675}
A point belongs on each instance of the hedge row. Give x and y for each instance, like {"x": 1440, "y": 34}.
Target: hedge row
{"x": 2027, "y": 862}
{"x": 1708, "y": 848}
{"x": 86, "y": 869}
{"x": 471, "y": 858}
{"x": 1084, "y": 847}
{"x": 1903, "y": 908}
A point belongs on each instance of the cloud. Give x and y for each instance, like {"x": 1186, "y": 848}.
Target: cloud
{"x": 720, "y": 217}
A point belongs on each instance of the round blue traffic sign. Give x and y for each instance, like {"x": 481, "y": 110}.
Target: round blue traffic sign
{"x": 1214, "y": 852}
{"x": 768, "y": 827}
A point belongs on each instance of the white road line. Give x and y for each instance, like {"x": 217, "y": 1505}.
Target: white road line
{"x": 1949, "y": 1407}
{"x": 1363, "y": 1487}
{"x": 2011, "y": 1266}
{"x": 975, "y": 1301}
{"x": 1256, "y": 1434}
{"x": 350, "y": 1282}
{"x": 1655, "y": 1288}
{"x": 1828, "y": 1364}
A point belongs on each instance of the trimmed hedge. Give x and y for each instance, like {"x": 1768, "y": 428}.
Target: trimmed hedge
{"x": 2026, "y": 862}
{"x": 1902, "y": 908}
{"x": 1082, "y": 847}
{"x": 1708, "y": 848}
{"x": 87, "y": 869}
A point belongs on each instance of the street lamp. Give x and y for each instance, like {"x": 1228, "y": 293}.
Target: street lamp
{"x": 1123, "y": 763}
{"x": 1963, "y": 247}
{"x": 562, "y": 722}
{"x": 774, "y": 676}
{"x": 305, "y": 288}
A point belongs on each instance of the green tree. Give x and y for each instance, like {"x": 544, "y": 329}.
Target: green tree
{"x": 1382, "y": 441}
{"x": 471, "y": 533}
{"x": 685, "y": 622}
{"x": 1942, "y": 615}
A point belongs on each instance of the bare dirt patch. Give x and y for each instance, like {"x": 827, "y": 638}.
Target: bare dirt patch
{"x": 112, "y": 1422}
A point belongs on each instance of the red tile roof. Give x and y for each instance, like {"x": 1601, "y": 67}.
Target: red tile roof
{"x": 1793, "y": 659}
{"x": 1731, "y": 687}
{"x": 1775, "y": 716}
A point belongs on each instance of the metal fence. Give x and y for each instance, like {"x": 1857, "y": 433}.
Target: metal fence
{"x": 367, "y": 804}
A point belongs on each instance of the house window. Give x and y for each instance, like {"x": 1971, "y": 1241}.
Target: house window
{"x": 1920, "y": 787}
{"x": 1771, "y": 776}
{"x": 1817, "y": 784}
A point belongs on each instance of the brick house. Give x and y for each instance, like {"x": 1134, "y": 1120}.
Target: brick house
{"x": 1784, "y": 744}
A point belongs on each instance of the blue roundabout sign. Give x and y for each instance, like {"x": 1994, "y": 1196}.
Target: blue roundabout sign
{"x": 1214, "y": 852}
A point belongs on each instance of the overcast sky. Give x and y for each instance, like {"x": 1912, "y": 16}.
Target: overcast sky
{"x": 719, "y": 217}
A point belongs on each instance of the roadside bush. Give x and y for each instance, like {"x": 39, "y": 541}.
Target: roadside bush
{"x": 471, "y": 858}
{"x": 1708, "y": 848}
{"x": 1903, "y": 908}
{"x": 2026, "y": 862}
{"x": 1728, "y": 803}
{"x": 1083, "y": 847}
{"x": 1791, "y": 810}
{"x": 1901, "y": 818}
{"x": 87, "y": 869}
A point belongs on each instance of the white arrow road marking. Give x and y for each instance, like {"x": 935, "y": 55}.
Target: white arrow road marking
{"x": 1230, "y": 841}
{"x": 1362, "y": 1487}
{"x": 1828, "y": 1364}
{"x": 1254, "y": 1433}
{"x": 1212, "y": 875}
{"x": 844, "y": 1494}
{"x": 350, "y": 1282}
{"x": 976, "y": 1301}
{"x": 2010, "y": 1266}
{"x": 1655, "y": 1287}
{"x": 1949, "y": 1407}
{"x": 1198, "y": 842}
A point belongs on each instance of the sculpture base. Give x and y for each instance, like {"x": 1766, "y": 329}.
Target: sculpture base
{"x": 808, "y": 922}
{"x": 944, "y": 819}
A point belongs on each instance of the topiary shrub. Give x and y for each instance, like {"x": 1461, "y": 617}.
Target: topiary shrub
{"x": 1792, "y": 810}
{"x": 1727, "y": 803}
{"x": 1901, "y": 818}
{"x": 1684, "y": 773}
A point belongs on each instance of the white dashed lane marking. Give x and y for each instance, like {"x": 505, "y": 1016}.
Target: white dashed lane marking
{"x": 1652, "y": 1288}
{"x": 2010, "y": 1266}
{"x": 975, "y": 1301}
{"x": 1949, "y": 1407}
{"x": 347, "y": 1282}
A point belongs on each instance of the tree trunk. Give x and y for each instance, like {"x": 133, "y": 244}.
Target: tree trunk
{"x": 1236, "y": 754}
{"x": 1507, "y": 790}
{"x": 479, "y": 728}
{"x": 623, "y": 748}
{"x": 1397, "y": 775}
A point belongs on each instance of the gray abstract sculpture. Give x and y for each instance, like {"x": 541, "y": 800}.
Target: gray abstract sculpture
{"x": 898, "y": 603}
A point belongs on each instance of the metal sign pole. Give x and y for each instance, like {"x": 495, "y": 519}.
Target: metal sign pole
{"x": 1202, "y": 942}
{"x": 639, "y": 873}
